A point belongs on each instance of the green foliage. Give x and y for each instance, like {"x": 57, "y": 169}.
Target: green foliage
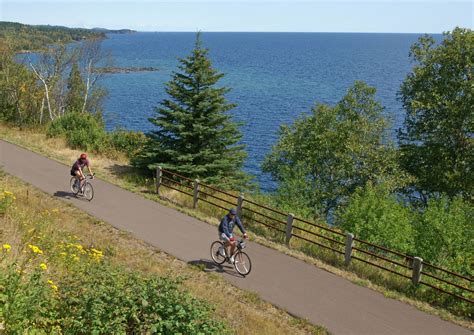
{"x": 76, "y": 90}
{"x": 99, "y": 298}
{"x": 6, "y": 200}
{"x": 195, "y": 135}
{"x": 87, "y": 132}
{"x": 129, "y": 142}
{"x": 19, "y": 93}
{"x": 437, "y": 141}
{"x": 32, "y": 38}
{"x": 376, "y": 216}
{"x": 445, "y": 234}
{"x": 110, "y": 300}
{"x": 323, "y": 158}
{"x": 26, "y": 303}
{"x": 52, "y": 284}
{"x": 82, "y": 130}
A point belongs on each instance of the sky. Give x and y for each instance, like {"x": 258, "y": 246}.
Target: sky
{"x": 392, "y": 16}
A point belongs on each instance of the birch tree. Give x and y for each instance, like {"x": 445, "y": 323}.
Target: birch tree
{"x": 49, "y": 70}
{"x": 90, "y": 56}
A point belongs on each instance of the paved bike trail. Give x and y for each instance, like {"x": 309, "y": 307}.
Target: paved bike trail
{"x": 301, "y": 289}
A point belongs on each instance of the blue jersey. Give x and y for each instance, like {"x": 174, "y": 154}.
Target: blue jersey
{"x": 227, "y": 225}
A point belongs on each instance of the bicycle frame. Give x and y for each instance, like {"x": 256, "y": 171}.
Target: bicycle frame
{"x": 238, "y": 247}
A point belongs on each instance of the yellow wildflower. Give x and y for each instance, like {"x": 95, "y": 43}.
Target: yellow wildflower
{"x": 55, "y": 210}
{"x": 35, "y": 249}
{"x": 43, "y": 266}
{"x": 95, "y": 251}
{"x": 53, "y": 286}
{"x": 8, "y": 194}
{"x": 63, "y": 253}
{"x": 96, "y": 254}
{"x": 7, "y": 247}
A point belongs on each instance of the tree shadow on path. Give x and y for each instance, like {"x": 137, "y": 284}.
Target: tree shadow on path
{"x": 121, "y": 170}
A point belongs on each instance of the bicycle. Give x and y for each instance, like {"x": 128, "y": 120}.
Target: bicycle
{"x": 242, "y": 263}
{"x": 87, "y": 191}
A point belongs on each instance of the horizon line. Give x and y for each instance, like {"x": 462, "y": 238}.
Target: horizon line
{"x": 242, "y": 31}
{"x": 278, "y": 32}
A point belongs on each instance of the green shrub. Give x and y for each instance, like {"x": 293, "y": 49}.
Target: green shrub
{"x": 375, "y": 215}
{"x": 129, "y": 142}
{"x": 82, "y": 130}
{"x": 445, "y": 234}
{"x": 445, "y": 238}
{"x": 107, "y": 299}
{"x": 26, "y": 301}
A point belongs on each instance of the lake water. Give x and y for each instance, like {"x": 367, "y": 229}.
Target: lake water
{"x": 274, "y": 77}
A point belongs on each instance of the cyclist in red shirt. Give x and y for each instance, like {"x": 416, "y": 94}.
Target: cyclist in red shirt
{"x": 78, "y": 167}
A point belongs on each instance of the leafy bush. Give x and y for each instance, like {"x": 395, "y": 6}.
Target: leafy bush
{"x": 129, "y": 142}
{"x": 82, "y": 130}
{"x": 445, "y": 234}
{"x": 375, "y": 215}
{"x": 110, "y": 300}
{"x": 67, "y": 288}
{"x": 26, "y": 302}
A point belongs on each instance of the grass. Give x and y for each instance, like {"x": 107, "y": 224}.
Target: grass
{"x": 255, "y": 316}
{"x": 118, "y": 171}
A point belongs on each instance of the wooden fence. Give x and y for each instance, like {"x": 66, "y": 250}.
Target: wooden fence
{"x": 286, "y": 226}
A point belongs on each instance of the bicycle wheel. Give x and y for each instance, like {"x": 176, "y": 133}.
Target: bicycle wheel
{"x": 242, "y": 263}
{"x": 216, "y": 255}
{"x": 74, "y": 188}
{"x": 88, "y": 191}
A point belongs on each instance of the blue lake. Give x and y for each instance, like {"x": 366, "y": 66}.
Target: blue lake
{"x": 274, "y": 77}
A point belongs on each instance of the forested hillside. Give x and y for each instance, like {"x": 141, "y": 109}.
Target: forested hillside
{"x": 25, "y": 37}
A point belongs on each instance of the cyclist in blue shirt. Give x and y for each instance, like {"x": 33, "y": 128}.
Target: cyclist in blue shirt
{"x": 226, "y": 228}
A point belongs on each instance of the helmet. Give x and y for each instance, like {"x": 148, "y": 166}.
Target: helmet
{"x": 233, "y": 211}
{"x": 83, "y": 156}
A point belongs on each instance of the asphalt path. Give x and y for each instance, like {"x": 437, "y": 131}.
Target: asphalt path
{"x": 293, "y": 285}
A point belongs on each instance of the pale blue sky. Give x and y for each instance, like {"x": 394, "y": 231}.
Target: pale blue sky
{"x": 422, "y": 16}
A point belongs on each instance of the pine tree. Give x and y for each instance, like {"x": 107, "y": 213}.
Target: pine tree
{"x": 195, "y": 135}
{"x": 76, "y": 90}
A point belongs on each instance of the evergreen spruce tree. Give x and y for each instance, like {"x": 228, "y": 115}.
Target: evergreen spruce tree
{"x": 195, "y": 136}
{"x": 76, "y": 90}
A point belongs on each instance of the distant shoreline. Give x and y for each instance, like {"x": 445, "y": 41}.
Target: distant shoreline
{"x": 125, "y": 69}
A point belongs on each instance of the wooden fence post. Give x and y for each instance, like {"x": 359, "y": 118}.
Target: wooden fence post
{"x": 348, "y": 251}
{"x": 240, "y": 201}
{"x": 196, "y": 193}
{"x": 159, "y": 173}
{"x": 417, "y": 267}
{"x": 289, "y": 228}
